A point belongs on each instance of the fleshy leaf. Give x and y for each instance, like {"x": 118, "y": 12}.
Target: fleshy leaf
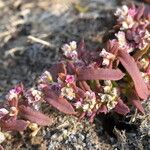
{"x": 70, "y": 68}
{"x": 103, "y": 109}
{"x": 14, "y": 125}
{"x": 121, "y": 108}
{"x": 147, "y": 11}
{"x": 90, "y": 73}
{"x": 130, "y": 65}
{"x": 134, "y": 99}
{"x": 58, "y": 102}
{"x": 35, "y": 116}
{"x": 56, "y": 69}
{"x": 1, "y": 147}
{"x": 140, "y": 12}
{"x": 81, "y": 48}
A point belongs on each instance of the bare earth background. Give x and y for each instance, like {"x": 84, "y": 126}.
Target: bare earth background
{"x": 23, "y": 57}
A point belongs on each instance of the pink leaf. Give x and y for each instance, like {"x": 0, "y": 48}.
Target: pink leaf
{"x": 56, "y": 69}
{"x": 102, "y": 109}
{"x": 58, "y": 102}
{"x": 1, "y": 147}
{"x": 14, "y": 125}
{"x": 35, "y": 116}
{"x": 70, "y": 68}
{"x": 138, "y": 105}
{"x": 112, "y": 46}
{"x": 79, "y": 92}
{"x": 121, "y": 108}
{"x": 90, "y": 73}
{"x": 147, "y": 11}
{"x": 81, "y": 48}
{"x": 134, "y": 99}
{"x": 140, "y": 12}
{"x": 130, "y": 65}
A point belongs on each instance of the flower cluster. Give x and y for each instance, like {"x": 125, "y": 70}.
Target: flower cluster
{"x": 88, "y": 103}
{"x": 70, "y": 50}
{"x": 22, "y": 108}
{"x": 110, "y": 95}
{"x": 133, "y": 28}
{"x": 46, "y": 77}
{"x": 33, "y": 97}
{"x": 125, "y": 17}
{"x": 68, "y": 92}
{"x": 107, "y": 57}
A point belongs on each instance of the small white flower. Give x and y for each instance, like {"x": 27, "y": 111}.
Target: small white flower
{"x": 3, "y": 112}
{"x": 123, "y": 11}
{"x": 123, "y": 41}
{"x": 66, "y": 47}
{"x": 107, "y": 83}
{"x": 86, "y": 107}
{"x": 33, "y": 96}
{"x": 12, "y": 95}
{"x": 73, "y": 45}
{"x": 106, "y": 57}
{"x": 125, "y": 17}
{"x": 68, "y": 92}
{"x": 46, "y": 77}
{"x": 107, "y": 89}
{"x": 146, "y": 77}
{"x": 2, "y": 137}
{"x": 111, "y": 104}
{"x": 144, "y": 63}
{"x": 106, "y": 54}
{"x": 13, "y": 111}
{"x": 114, "y": 91}
{"x": 78, "y": 104}
{"x": 127, "y": 23}
{"x": 105, "y": 62}
{"x": 70, "y": 50}
{"x": 90, "y": 96}
{"x": 105, "y": 97}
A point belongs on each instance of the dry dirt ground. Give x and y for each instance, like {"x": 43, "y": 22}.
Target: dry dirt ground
{"x": 31, "y": 34}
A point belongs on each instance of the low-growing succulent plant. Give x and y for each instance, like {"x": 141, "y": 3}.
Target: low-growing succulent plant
{"x": 87, "y": 83}
{"x": 20, "y": 109}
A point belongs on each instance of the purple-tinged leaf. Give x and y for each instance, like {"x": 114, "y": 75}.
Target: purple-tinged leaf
{"x": 147, "y": 12}
{"x": 85, "y": 86}
{"x": 134, "y": 99}
{"x": 83, "y": 114}
{"x": 91, "y": 73}
{"x": 138, "y": 105}
{"x": 140, "y": 12}
{"x": 56, "y": 69}
{"x": 79, "y": 92}
{"x": 71, "y": 68}
{"x": 130, "y": 65}
{"x": 35, "y": 116}
{"x": 102, "y": 109}
{"x": 121, "y": 108}
{"x": 112, "y": 46}
{"x": 1, "y": 147}
{"x": 81, "y": 48}
{"x": 14, "y": 125}
{"x": 92, "y": 117}
{"x": 58, "y": 102}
